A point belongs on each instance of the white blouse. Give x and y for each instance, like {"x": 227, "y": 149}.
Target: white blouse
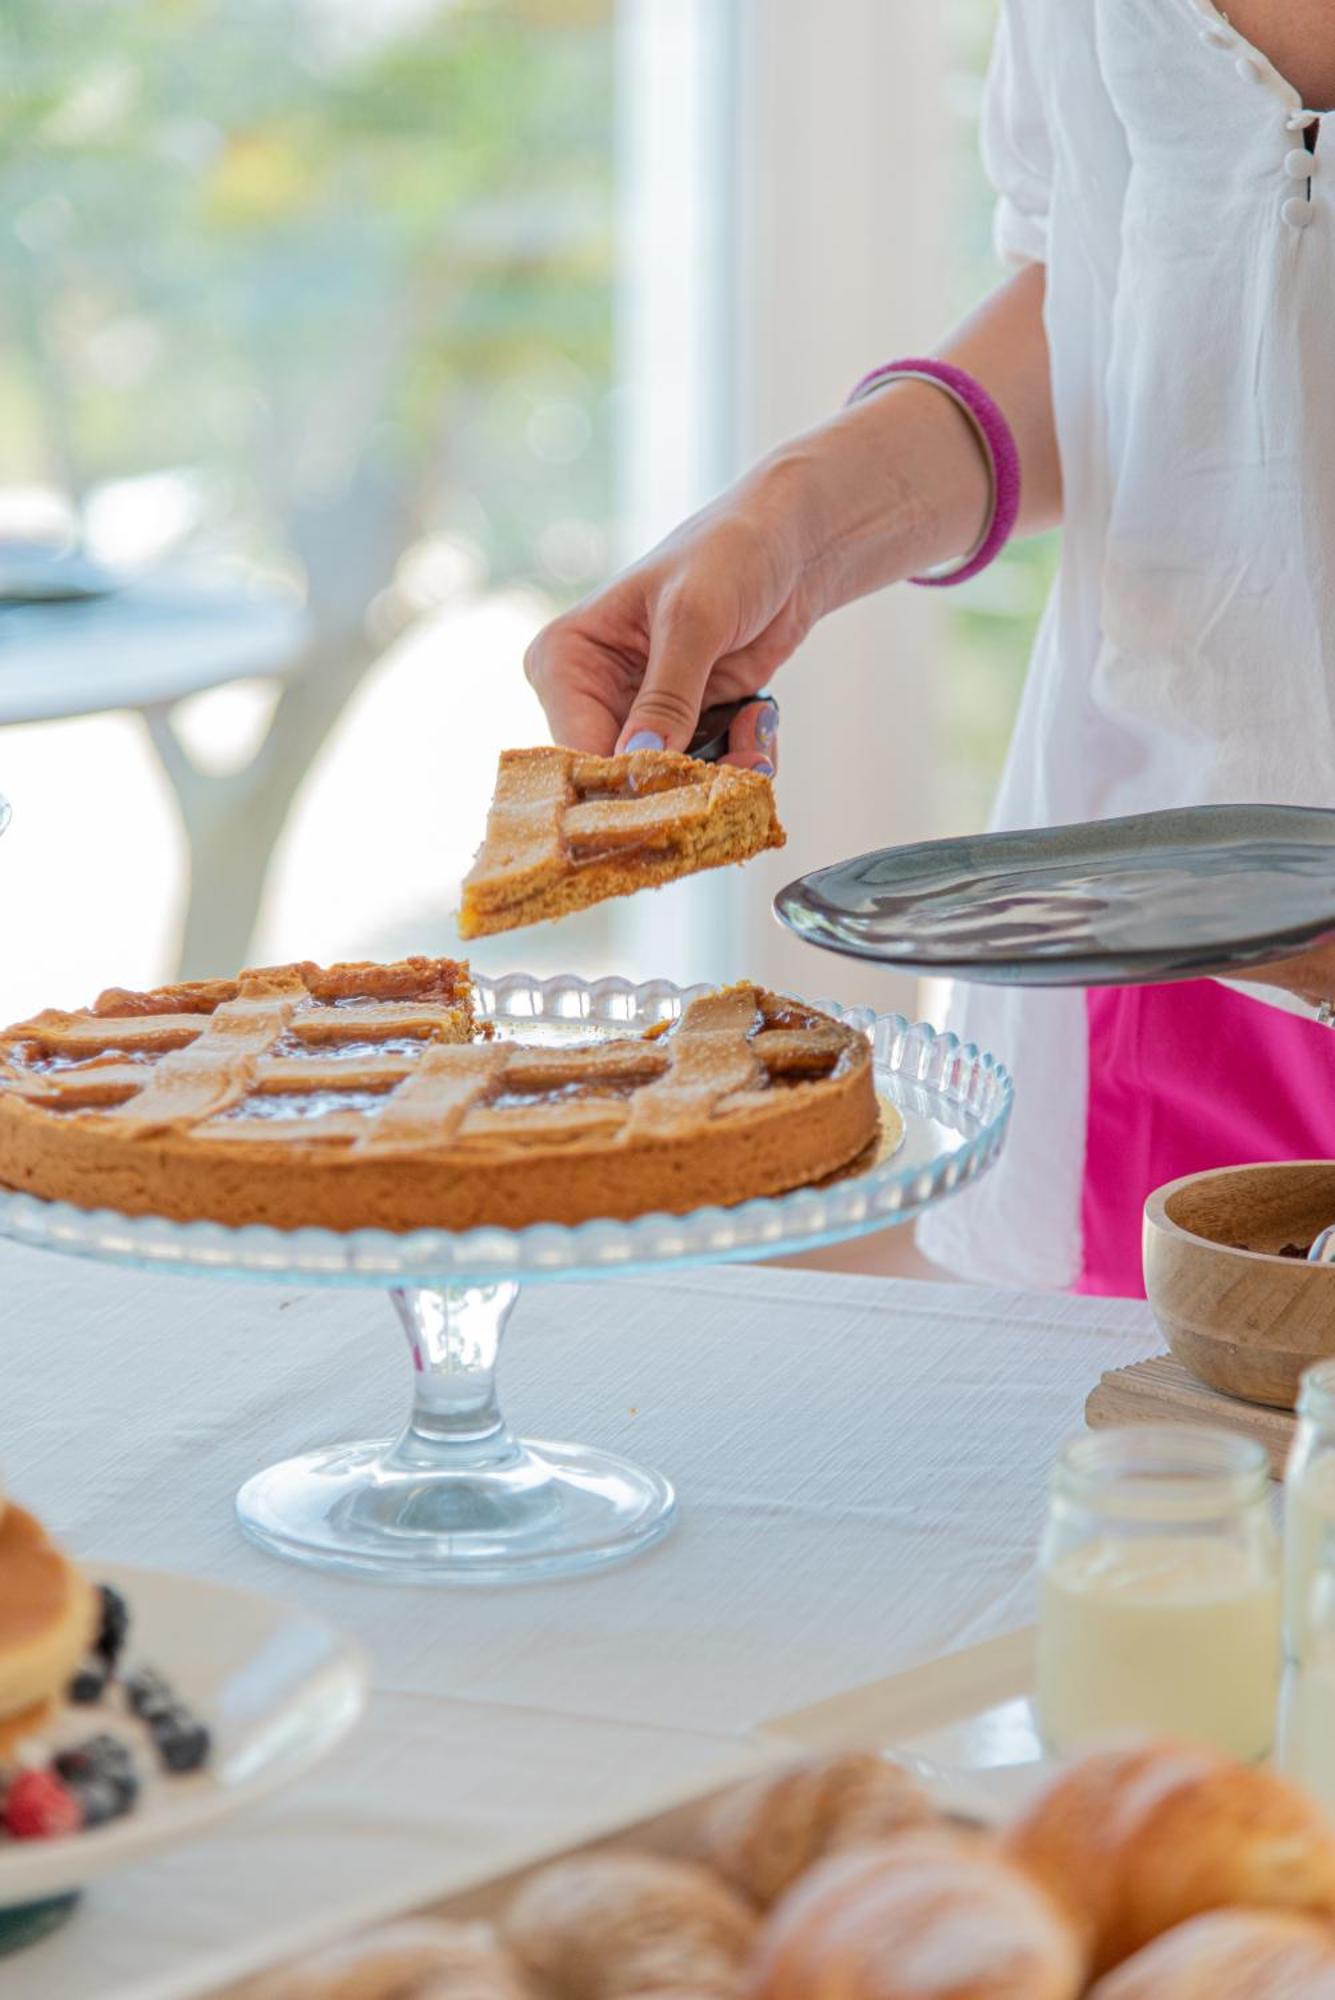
{"x": 1155, "y": 160}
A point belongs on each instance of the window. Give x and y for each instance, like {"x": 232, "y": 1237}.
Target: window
{"x": 416, "y": 319}
{"x": 305, "y": 298}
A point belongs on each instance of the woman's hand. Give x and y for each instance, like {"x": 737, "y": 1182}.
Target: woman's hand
{"x": 888, "y": 488}
{"x": 706, "y": 618}
{"x": 893, "y": 484}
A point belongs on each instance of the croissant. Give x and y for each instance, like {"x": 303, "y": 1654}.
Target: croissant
{"x": 1132, "y": 1842}
{"x": 927, "y": 1916}
{"x": 405, "y": 1962}
{"x": 1231, "y": 1955}
{"x": 764, "y": 1834}
{"x": 609, "y": 1926}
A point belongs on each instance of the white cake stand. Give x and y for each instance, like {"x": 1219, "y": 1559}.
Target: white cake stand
{"x": 456, "y": 1498}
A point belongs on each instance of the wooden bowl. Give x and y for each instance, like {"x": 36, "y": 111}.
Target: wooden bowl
{"x": 1242, "y": 1318}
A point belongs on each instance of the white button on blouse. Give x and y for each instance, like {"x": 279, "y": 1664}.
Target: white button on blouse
{"x": 1188, "y": 653}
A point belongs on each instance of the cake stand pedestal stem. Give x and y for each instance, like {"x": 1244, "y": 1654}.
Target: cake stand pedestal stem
{"x": 456, "y": 1497}
{"x": 454, "y": 1338}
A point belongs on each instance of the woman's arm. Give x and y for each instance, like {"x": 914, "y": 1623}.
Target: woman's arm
{"x": 1309, "y": 976}
{"x": 884, "y": 490}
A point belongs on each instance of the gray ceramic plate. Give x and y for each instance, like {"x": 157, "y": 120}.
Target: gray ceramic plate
{"x": 1114, "y": 903}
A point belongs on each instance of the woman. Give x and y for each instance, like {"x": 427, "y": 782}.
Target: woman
{"x": 1164, "y": 361}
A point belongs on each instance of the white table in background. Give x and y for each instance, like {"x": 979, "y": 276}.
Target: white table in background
{"x": 862, "y": 1467}
{"x": 147, "y": 647}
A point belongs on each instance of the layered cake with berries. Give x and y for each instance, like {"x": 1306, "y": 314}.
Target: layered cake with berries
{"x": 80, "y": 1727}
{"x": 368, "y": 1096}
{"x": 48, "y": 1621}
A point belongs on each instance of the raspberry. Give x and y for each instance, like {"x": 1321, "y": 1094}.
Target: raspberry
{"x": 40, "y": 1806}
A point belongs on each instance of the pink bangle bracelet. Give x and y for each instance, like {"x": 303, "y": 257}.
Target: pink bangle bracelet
{"x": 999, "y": 448}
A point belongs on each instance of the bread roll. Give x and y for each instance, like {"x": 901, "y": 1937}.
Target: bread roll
{"x": 426, "y": 1961}
{"x": 1231, "y": 1955}
{"x": 609, "y": 1926}
{"x": 928, "y": 1916}
{"x": 766, "y": 1833}
{"x": 1132, "y": 1842}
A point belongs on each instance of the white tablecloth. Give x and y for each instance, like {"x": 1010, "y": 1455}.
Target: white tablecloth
{"x": 862, "y": 1468}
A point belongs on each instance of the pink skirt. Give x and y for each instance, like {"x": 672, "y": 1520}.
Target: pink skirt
{"x": 1183, "y": 1078}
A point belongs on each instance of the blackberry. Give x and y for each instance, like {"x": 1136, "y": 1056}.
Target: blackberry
{"x": 94, "y": 1754}
{"x": 89, "y": 1683}
{"x": 101, "y": 1761}
{"x": 182, "y": 1743}
{"x": 101, "y": 1799}
{"x": 126, "y": 1783}
{"x": 148, "y": 1694}
{"x": 114, "y": 1627}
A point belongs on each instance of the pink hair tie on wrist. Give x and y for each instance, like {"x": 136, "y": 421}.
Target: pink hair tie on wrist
{"x": 999, "y": 448}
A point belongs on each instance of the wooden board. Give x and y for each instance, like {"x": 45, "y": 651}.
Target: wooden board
{"x": 1161, "y": 1391}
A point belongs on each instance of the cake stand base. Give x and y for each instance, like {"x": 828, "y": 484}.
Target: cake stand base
{"x": 544, "y": 1510}
{"x": 457, "y": 1498}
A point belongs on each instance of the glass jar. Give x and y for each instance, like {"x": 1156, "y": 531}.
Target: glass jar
{"x": 1306, "y": 1748}
{"x": 1160, "y": 1591}
{"x": 1309, "y": 1506}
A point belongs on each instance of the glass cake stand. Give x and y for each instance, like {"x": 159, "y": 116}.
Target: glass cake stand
{"x": 456, "y": 1497}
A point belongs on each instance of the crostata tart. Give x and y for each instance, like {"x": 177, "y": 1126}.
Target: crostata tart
{"x": 566, "y": 830}
{"x": 369, "y": 1096}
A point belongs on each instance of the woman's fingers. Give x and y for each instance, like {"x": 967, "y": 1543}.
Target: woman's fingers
{"x": 578, "y": 685}
{"x": 633, "y": 667}
{"x": 683, "y": 646}
{"x": 753, "y": 739}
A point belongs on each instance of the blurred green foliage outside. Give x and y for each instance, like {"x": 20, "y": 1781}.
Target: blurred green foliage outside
{"x": 348, "y": 268}
{"x": 347, "y": 263}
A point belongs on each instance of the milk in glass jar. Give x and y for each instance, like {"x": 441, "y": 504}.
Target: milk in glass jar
{"x": 1160, "y": 1591}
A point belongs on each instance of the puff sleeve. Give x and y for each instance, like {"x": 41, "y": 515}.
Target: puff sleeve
{"x": 1017, "y": 141}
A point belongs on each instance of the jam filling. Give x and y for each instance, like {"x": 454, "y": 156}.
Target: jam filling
{"x": 370, "y": 1002}
{"x": 299, "y": 1048}
{"x": 628, "y": 1067}
{"x": 303, "y": 1104}
{"x": 588, "y": 856}
{"x": 53, "y": 1063}
{"x": 566, "y": 1093}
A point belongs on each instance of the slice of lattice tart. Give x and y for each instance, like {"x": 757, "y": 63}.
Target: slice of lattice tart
{"x": 369, "y": 1096}
{"x": 567, "y": 830}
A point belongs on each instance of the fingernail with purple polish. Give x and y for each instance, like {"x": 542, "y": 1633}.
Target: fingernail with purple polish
{"x": 646, "y": 739}
{"x": 763, "y": 765}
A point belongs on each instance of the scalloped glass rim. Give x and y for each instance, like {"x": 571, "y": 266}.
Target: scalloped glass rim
{"x": 932, "y": 1077}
